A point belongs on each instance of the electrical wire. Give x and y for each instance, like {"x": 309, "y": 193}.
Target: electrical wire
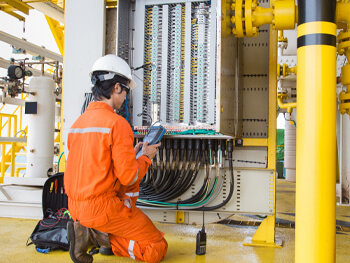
{"x": 58, "y": 162}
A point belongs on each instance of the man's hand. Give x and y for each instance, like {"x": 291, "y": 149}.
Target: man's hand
{"x": 150, "y": 150}
{"x": 137, "y": 147}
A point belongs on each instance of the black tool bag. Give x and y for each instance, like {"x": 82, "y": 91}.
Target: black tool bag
{"x": 51, "y": 232}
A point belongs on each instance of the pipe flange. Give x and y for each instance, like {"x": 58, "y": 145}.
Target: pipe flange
{"x": 343, "y": 42}
{"x": 344, "y": 105}
{"x": 238, "y": 18}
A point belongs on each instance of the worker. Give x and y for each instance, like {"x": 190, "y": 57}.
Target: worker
{"x": 102, "y": 175}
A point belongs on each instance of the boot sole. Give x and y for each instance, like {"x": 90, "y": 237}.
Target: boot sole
{"x": 106, "y": 251}
{"x": 71, "y": 239}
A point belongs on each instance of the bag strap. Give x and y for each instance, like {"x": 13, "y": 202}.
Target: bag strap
{"x": 29, "y": 243}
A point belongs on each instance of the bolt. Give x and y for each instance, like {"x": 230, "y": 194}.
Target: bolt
{"x": 254, "y": 5}
{"x": 233, "y": 6}
{"x": 32, "y": 150}
{"x": 234, "y": 31}
{"x": 233, "y": 19}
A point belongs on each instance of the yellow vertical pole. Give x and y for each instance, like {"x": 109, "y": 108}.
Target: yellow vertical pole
{"x": 3, "y": 148}
{"x": 13, "y": 156}
{"x": 15, "y": 125}
{"x": 0, "y": 125}
{"x": 316, "y": 132}
{"x": 9, "y": 126}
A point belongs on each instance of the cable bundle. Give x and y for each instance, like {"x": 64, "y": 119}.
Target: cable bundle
{"x": 176, "y": 170}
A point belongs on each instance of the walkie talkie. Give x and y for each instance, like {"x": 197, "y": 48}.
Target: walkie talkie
{"x": 201, "y": 242}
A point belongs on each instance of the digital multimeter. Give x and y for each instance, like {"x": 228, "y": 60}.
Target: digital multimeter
{"x": 153, "y": 136}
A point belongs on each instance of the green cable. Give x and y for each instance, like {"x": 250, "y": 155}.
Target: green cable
{"x": 58, "y": 162}
{"x": 204, "y": 200}
{"x": 196, "y": 132}
{"x": 163, "y": 203}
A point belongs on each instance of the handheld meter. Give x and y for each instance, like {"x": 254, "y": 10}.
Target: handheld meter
{"x": 153, "y": 136}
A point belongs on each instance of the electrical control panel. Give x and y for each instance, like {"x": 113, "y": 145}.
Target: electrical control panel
{"x": 206, "y": 88}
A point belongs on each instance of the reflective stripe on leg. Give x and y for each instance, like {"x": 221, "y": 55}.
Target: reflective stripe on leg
{"x": 131, "y": 249}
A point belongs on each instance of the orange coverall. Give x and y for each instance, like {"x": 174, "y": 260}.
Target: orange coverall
{"x": 102, "y": 180}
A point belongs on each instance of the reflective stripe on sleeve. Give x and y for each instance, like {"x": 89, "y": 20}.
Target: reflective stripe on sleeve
{"x": 131, "y": 249}
{"x": 136, "y": 176}
{"x": 90, "y": 129}
{"x": 132, "y": 194}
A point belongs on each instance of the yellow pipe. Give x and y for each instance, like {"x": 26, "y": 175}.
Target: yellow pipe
{"x": 316, "y": 134}
{"x": 263, "y": 16}
{"x": 281, "y": 37}
{"x": 286, "y": 106}
{"x": 342, "y": 14}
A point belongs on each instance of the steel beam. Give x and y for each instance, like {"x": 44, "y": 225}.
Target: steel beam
{"x": 49, "y": 9}
{"x": 29, "y": 47}
{"x": 18, "y": 5}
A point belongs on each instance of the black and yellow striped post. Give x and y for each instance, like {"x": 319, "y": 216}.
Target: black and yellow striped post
{"x": 316, "y": 132}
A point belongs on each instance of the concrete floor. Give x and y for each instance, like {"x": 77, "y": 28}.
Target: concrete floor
{"x": 224, "y": 241}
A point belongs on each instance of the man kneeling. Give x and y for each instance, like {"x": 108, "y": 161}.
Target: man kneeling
{"x": 102, "y": 175}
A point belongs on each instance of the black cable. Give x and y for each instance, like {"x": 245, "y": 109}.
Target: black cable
{"x": 229, "y": 153}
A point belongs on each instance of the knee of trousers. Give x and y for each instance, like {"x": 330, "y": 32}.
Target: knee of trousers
{"x": 154, "y": 252}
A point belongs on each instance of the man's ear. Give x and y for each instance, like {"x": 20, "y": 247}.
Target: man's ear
{"x": 117, "y": 87}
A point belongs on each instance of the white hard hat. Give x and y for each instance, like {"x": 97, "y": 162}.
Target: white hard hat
{"x": 114, "y": 64}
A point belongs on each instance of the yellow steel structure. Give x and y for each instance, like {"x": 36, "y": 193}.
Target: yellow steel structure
{"x": 265, "y": 235}
{"x": 8, "y": 158}
{"x": 8, "y": 123}
{"x": 316, "y": 133}
{"x": 10, "y": 6}
{"x": 57, "y": 31}
{"x": 255, "y": 142}
{"x": 343, "y": 20}
{"x": 247, "y": 19}
{"x": 249, "y": 16}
